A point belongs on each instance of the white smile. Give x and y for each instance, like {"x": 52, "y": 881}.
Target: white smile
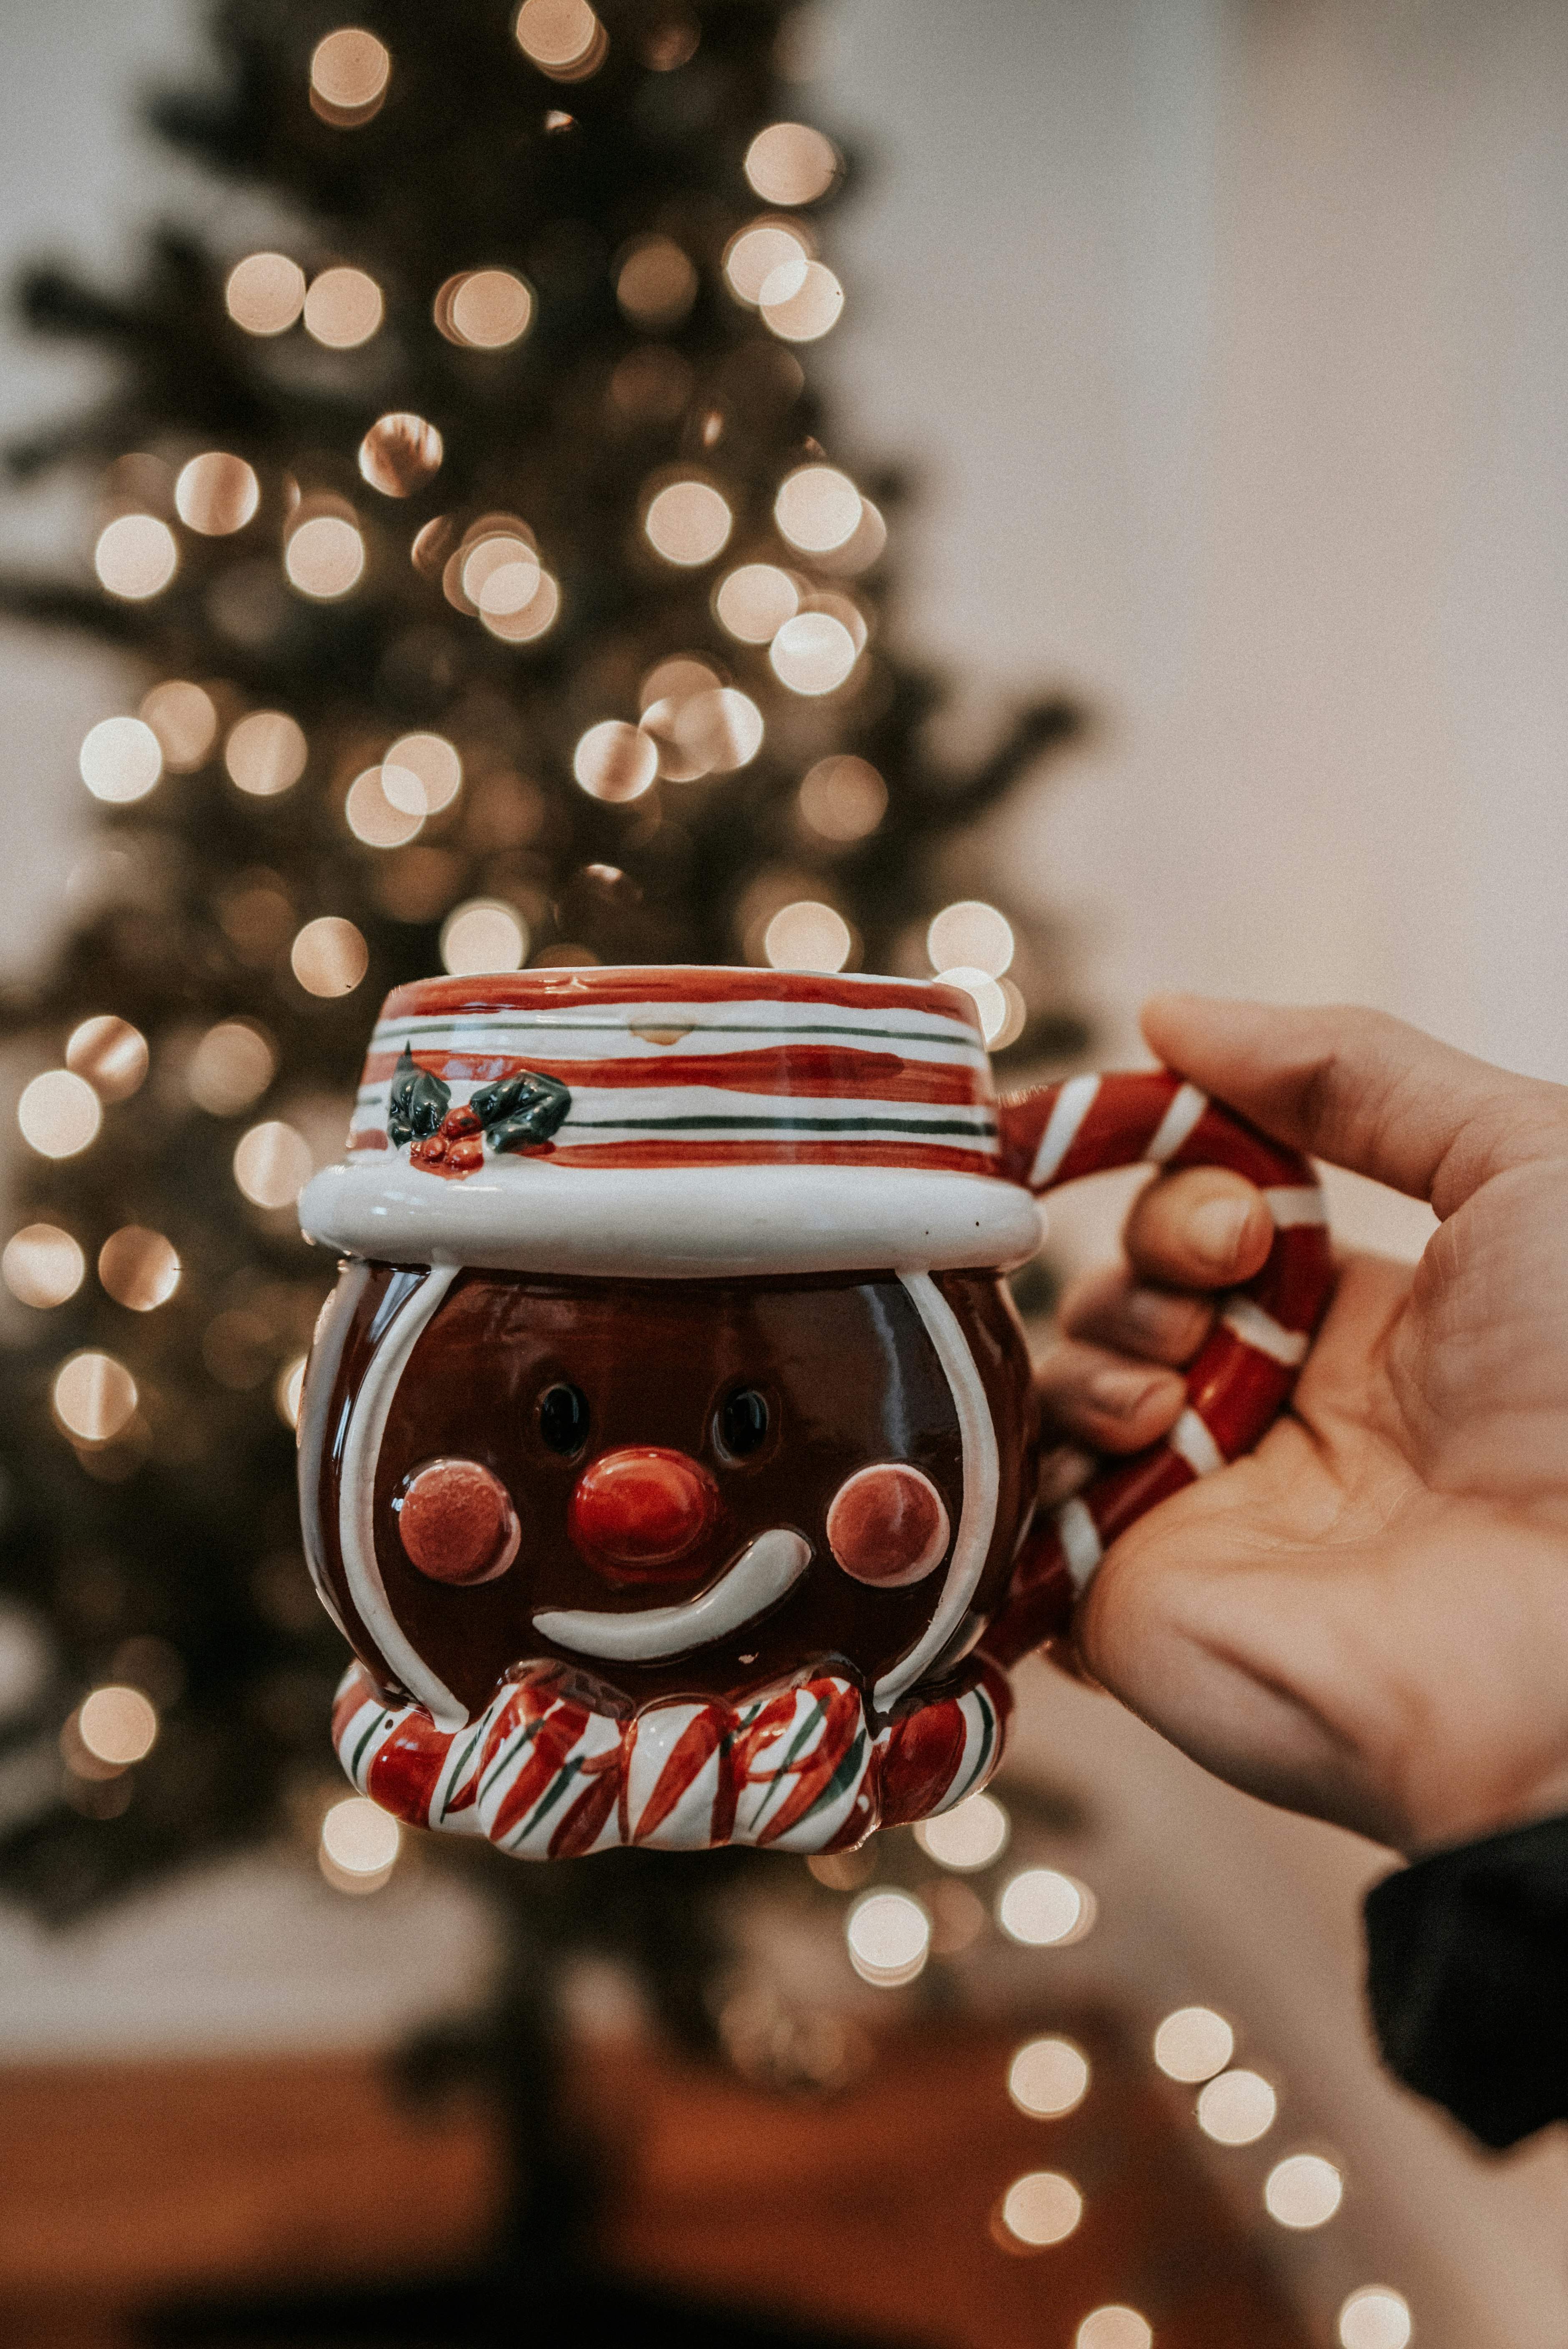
{"x": 765, "y": 1569}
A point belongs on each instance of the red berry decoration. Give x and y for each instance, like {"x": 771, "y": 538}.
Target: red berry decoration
{"x": 457, "y": 1522}
{"x": 887, "y": 1526}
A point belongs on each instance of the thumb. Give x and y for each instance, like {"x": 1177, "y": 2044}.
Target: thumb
{"x": 1364, "y": 1091}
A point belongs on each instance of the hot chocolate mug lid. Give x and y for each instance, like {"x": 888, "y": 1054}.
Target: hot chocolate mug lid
{"x": 675, "y": 1122}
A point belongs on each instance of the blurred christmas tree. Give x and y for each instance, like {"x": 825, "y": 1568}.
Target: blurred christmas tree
{"x": 500, "y": 595}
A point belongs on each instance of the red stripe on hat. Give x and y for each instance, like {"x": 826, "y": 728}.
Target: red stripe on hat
{"x": 876, "y": 1152}
{"x": 552, "y": 990}
{"x": 812, "y": 1071}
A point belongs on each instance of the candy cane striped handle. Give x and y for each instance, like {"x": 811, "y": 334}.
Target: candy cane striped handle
{"x": 1243, "y": 1376}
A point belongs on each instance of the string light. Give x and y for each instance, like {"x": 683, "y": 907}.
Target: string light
{"x": 615, "y": 762}
{"x": 421, "y": 773}
{"x": 655, "y": 283}
{"x": 843, "y": 798}
{"x": 753, "y": 253}
{"x": 688, "y": 522}
{"x": 121, "y": 759}
{"x": 970, "y": 932}
{"x": 139, "y": 1268}
{"x": 117, "y": 1726}
{"x": 1041, "y": 2208}
{"x": 216, "y": 495}
{"x": 59, "y": 1113}
{"x": 971, "y": 1834}
{"x": 817, "y": 508}
{"x": 808, "y": 935}
{"x": 563, "y": 38}
{"x": 483, "y": 934}
{"x": 231, "y": 1067}
{"x": 801, "y": 306}
{"x": 1193, "y": 2044}
{"x": 136, "y": 556}
{"x": 813, "y": 654}
{"x": 1376, "y": 2317}
{"x": 372, "y": 817}
{"x": 343, "y": 308}
{"x": 359, "y": 1845}
{"x": 265, "y": 753}
{"x": 272, "y": 1164}
{"x": 110, "y": 1054}
{"x": 1237, "y": 2108}
{"x": 400, "y": 454}
{"x": 753, "y": 602}
{"x": 349, "y": 71}
{"x": 287, "y": 1388}
{"x": 986, "y": 994}
{"x": 329, "y": 956}
{"x": 1302, "y": 2191}
{"x": 484, "y": 309}
{"x": 1042, "y": 1908}
{"x": 1115, "y": 2327}
{"x": 264, "y": 293}
{"x": 185, "y": 721}
{"x": 889, "y": 1937}
{"x": 324, "y": 558}
{"x": 94, "y": 1396}
{"x": 42, "y": 1266}
{"x": 790, "y": 163}
{"x": 1048, "y": 2077}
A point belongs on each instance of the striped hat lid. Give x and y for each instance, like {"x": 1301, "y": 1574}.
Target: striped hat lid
{"x": 675, "y": 1120}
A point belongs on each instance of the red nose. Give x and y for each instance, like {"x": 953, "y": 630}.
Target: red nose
{"x": 634, "y": 1514}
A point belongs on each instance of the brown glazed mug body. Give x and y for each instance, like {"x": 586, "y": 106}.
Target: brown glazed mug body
{"x": 668, "y": 1451}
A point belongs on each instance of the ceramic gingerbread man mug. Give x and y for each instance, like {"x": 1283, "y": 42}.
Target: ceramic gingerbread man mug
{"x": 667, "y": 1449}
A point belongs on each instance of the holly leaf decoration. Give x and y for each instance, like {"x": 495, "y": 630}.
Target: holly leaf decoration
{"x": 521, "y": 1110}
{"x": 418, "y": 1100}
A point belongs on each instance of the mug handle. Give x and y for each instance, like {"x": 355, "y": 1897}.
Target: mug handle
{"x": 1243, "y": 1376}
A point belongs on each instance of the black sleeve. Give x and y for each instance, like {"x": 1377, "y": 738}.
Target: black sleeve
{"x": 1467, "y": 1978}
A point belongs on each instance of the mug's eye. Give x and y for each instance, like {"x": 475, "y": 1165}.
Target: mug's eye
{"x": 743, "y": 1423}
{"x": 564, "y": 1418}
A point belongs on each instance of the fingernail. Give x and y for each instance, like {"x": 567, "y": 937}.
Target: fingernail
{"x": 1122, "y": 1393}
{"x": 1215, "y": 1229}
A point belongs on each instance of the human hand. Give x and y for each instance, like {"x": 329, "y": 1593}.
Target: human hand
{"x": 1367, "y": 1618}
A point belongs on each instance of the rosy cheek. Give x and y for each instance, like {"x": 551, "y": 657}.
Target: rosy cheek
{"x": 887, "y": 1525}
{"x": 457, "y": 1522}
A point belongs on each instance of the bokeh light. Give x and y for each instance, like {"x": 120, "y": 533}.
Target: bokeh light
{"x": 1045, "y": 1910}
{"x": 1048, "y": 2077}
{"x": 615, "y": 760}
{"x": 272, "y": 1164}
{"x": 1302, "y": 2191}
{"x": 121, "y": 759}
{"x": 324, "y": 558}
{"x": 688, "y": 522}
{"x": 889, "y": 1937}
{"x": 265, "y": 753}
{"x": 139, "y": 1268}
{"x": 655, "y": 283}
{"x": 1042, "y": 2207}
{"x": 990, "y": 1004}
{"x": 287, "y": 1388}
{"x": 265, "y": 293}
{"x": 216, "y": 495}
{"x": 117, "y": 1726}
{"x": 329, "y": 956}
{"x": 400, "y": 454}
{"x": 1376, "y": 2317}
{"x": 790, "y": 163}
{"x": 1237, "y": 2108}
{"x": 808, "y": 935}
{"x": 231, "y": 1067}
{"x": 42, "y": 1265}
{"x": 95, "y": 1397}
{"x": 971, "y": 1834}
{"x": 349, "y": 71}
{"x": 109, "y": 1053}
{"x": 185, "y": 721}
{"x": 753, "y": 253}
{"x": 753, "y": 602}
{"x": 532, "y": 621}
{"x": 801, "y": 306}
{"x": 499, "y": 573}
{"x": 720, "y": 732}
{"x": 817, "y": 508}
{"x": 421, "y": 773}
{"x": 559, "y": 36}
{"x": 1193, "y": 2044}
{"x": 59, "y": 1113}
{"x": 1116, "y": 2326}
{"x": 484, "y": 309}
{"x": 484, "y": 934}
{"x": 359, "y": 1843}
{"x": 860, "y": 551}
{"x": 343, "y": 308}
{"x": 843, "y": 798}
{"x": 135, "y": 556}
{"x": 973, "y": 933}
{"x": 813, "y": 654}
{"x": 372, "y": 817}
